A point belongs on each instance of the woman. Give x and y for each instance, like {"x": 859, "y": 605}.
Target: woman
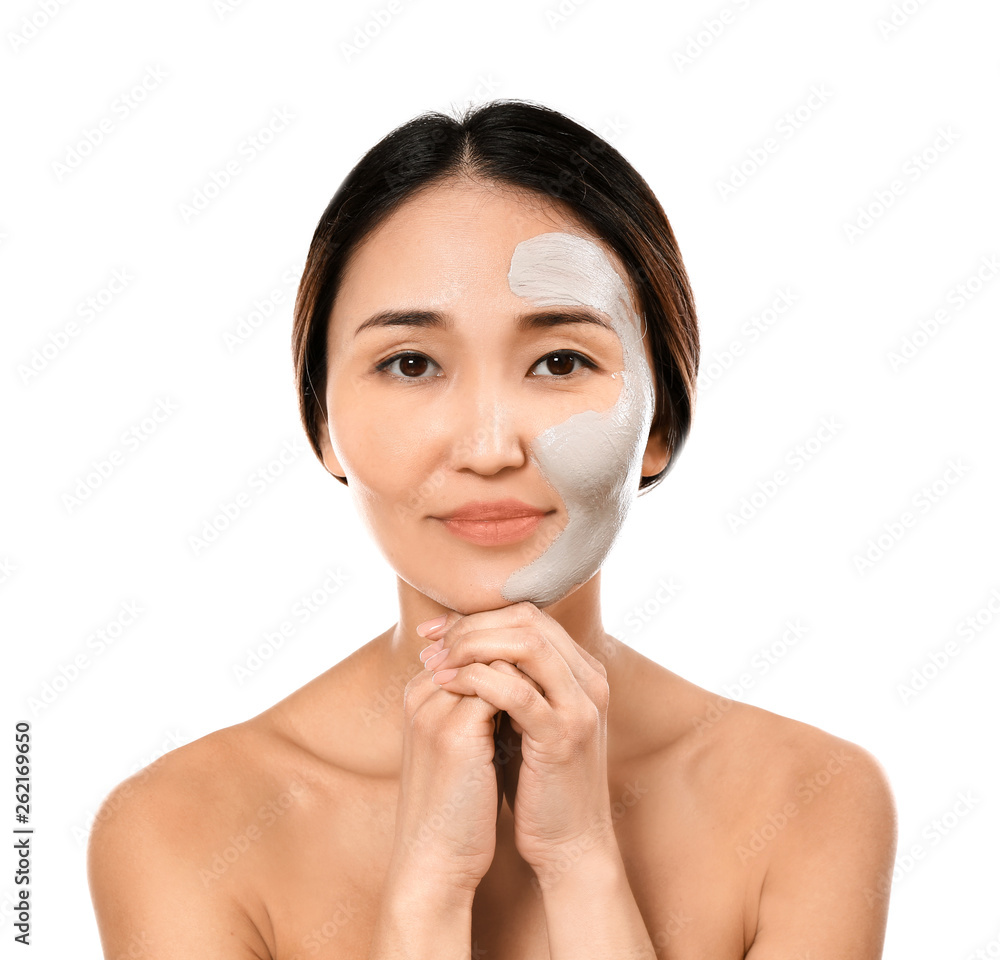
{"x": 496, "y": 348}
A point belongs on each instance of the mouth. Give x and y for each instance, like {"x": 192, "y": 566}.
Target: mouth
{"x": 494, "y": 522}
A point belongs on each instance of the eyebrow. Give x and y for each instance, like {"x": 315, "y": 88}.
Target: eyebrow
{"x": 536, "y": 320}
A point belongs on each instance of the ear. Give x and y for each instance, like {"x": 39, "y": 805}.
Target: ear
{"x": 657, "y": 453}
{"x": 330, "y": 460}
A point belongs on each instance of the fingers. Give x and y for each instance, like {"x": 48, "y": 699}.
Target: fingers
{"x": 516, "y": 695}
{"x": 428, "y": 704}
{"x": 527, "y": 650}
{"x": 504, "y": 667}
{"x": 527, "y": 616}
{"x": 528, "y": 638}
{"x": 432, "y": 629}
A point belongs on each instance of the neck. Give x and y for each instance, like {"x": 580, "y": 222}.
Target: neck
{"x": 387, "y": 663}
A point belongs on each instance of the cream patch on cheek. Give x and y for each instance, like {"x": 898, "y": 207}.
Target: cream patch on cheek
{"x": 593, "y": 459}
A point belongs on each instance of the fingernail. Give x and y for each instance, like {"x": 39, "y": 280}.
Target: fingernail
{"x": 429, "y": 626}
{"x": 430, "y": 649}
{"x": 443, "y": 676}
{"x": 437, "y": 658}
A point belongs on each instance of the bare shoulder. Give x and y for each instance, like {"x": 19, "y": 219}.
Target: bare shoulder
{"x": 761, "y": 758}
{"x": 811, "y": 818}
{"x": 779, "y": 770}
{"x": 815, "y": 784}
{"x": 173, "y": 847}
{"x": 827, "y": 840}
{"x": 814, "y": 774}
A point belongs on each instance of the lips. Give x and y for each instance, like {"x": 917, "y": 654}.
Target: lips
{"x": 508, "y": 509}
{"x": 493, "y": 522}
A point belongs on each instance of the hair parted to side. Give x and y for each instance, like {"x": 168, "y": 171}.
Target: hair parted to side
{"x": 527, "y": 146}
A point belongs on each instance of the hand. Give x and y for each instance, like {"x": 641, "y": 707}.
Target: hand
{"x": 559, "y": 706}
{"x": 449, "y": 796}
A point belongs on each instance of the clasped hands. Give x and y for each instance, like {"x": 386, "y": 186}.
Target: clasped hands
{"x": 493, "y": 677}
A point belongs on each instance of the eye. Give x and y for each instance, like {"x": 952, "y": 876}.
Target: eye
{"x": 562, "y": 363}
{"x": 412, "y": 366}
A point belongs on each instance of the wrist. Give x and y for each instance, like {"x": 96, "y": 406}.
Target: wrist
{"x": 422, "y": 884}
{"x": 420, "y": 891}
{"x": 420, "y": 918}
{"x": 590, "y": 865}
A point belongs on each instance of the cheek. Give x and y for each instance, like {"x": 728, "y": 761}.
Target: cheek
{"x": 589, "y": 457}
{"x": 375, "y": 445}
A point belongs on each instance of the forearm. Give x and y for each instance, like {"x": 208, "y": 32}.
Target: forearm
{"x": 417, "y": 922}
{"x": 590, "y": 910}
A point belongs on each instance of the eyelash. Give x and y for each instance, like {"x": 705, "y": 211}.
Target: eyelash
{"x": 383, "y": 366}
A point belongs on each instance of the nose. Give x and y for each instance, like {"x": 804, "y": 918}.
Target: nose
{"x": 487, "y": 433}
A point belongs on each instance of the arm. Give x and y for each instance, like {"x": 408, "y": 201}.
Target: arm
{"x": 826, "y": 891}
{"x": 590, "y": 910}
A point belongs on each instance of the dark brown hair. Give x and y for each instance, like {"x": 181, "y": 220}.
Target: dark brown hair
{"x": 527, "y": 146}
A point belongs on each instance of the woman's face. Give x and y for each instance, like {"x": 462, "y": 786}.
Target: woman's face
{"x": 484, "y": 349}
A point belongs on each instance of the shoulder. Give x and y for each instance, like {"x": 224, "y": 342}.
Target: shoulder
{"x": 765, "y": 757}
{"x": 173, "y": 847}
{"x": 163, "y": 795}
{"x": 820, "y": 781}
{"x": 733, "y": 753}
{"x": 188, "y": 796}
{"x": 782, "y": 770}
{"x": 814, "y": 826}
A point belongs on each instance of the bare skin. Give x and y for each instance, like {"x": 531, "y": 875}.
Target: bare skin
{"x": 696, "y": 791}
{"x": 324, "y": 827}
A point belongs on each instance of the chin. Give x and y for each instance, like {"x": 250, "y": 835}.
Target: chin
{"x": 471, "y": 591}
{"x": 464, "y": 598}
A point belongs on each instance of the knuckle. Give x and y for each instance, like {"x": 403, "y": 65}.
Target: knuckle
{"x": 527, "y": 612}
{"x": 583, "y": 723}
{"x": 471, "y": 674}
{"x": 413, "y": 696}
{"x": 420, "y": 722}
{"x": 600, "y": 692}
{"x": 535, "y": 644}
{"x": 429, "y": 725}
{"x": 505, "y": 666}
{"x": 520, "y": 694}
{"x": 563, "y": 731}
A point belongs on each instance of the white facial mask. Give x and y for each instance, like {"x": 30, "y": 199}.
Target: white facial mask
{"x": 593, "y": 459}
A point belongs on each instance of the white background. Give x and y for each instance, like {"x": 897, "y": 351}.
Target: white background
{"x": 169, "y": 678}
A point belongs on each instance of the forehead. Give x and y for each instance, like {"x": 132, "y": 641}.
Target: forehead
{"x": 451, "y": 243}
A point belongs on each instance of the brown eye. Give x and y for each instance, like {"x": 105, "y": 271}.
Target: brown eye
{"x": 412, "y": 366}
{"x": 562, "y": 363}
